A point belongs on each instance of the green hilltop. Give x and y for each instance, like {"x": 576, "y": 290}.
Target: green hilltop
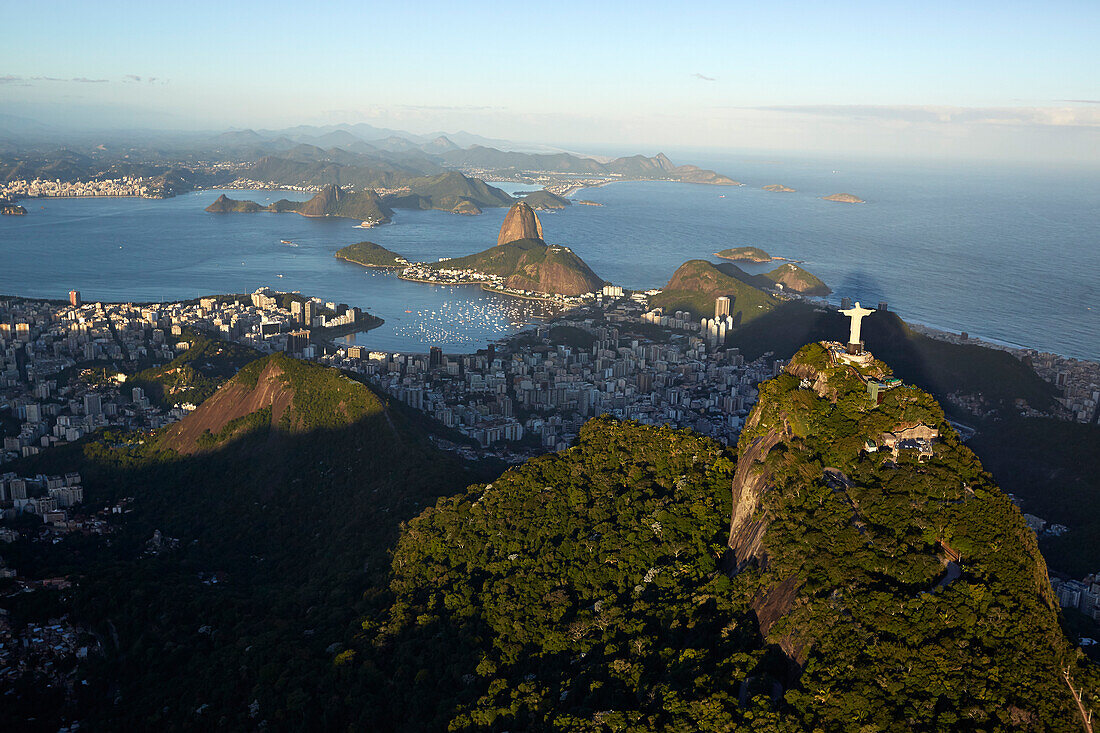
{"x": 621, "y": 584}
{"x": 792, "y": 277}
{"x": 196, "y": 373}
{"x": 370, "y": 254}
{"x": 225, "y": 205}
{"x": 284, "y": 493}
{"x": 449, "y": 191}
{"x": 697, "y": 283}
{"x": 544, "y": 200}
{"x": 744, "y": 254}
{"x": 866, "y": 565}
{"x": 291, "y": 395}
{"x": 795, "y": 279}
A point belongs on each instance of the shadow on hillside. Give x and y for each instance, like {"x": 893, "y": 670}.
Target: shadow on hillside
{"x": 276, "y": 543}
{"x": 939, "y": 367}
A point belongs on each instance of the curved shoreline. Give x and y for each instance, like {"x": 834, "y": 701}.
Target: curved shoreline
{"x": 365, "y": 264}
{"x": 326, "y": 333}
{"x": 485, "y": 285}
{"x": 402, "y": 276}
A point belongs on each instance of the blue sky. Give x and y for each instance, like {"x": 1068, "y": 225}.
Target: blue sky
{"x": 977, "y": 77}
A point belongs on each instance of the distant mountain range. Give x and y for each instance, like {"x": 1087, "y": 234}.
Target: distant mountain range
{"x": 360, "y": 156}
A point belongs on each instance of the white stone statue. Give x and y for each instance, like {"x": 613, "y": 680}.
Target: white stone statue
{"x": 856, "y": 313}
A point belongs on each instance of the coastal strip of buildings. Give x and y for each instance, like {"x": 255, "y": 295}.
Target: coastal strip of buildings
{"x": 39, "y": 188}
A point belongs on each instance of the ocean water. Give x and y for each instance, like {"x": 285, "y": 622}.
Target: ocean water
{"x": 1006, "y": 253}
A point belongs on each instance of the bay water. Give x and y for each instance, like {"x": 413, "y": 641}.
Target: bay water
{"x": 1006, "y": 253}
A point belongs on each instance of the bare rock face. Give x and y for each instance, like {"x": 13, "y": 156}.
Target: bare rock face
{"x": 521, "y": 222}
{"x": 749, "y": 484}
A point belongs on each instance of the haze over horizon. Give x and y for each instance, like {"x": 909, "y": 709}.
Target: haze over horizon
{"x": 1008, "y": 81}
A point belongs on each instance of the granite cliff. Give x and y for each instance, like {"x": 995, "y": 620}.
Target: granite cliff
{"x": 521, "y": 222}
{"x": 841, "y": 501}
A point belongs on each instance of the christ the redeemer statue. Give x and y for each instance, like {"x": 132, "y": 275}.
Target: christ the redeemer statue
{"x": 856, "y": 313}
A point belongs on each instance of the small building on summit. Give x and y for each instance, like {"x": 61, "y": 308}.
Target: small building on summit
{"x": 876, "y": 389}
{"x": 917, "y": 437}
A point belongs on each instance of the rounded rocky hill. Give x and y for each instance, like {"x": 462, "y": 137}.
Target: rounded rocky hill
{"x": 521, "y": 222}
{"x": 274, "y": 392}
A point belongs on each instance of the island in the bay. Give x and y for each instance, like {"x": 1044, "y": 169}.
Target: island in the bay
{"x": 523, "y": 264}
{"x": 369, "y": 254}
{"x": 745, "y": 254}
{"x": 844, "y": 198}
{"x": 778, "y": 188}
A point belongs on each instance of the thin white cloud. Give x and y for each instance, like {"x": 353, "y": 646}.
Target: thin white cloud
{"x": 930, "y": 114}
{"x": 704, "y": 77}
{"x": 26, "y": 81}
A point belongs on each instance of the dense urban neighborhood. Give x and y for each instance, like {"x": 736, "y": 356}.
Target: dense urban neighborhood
{"x": 72, "y": 368}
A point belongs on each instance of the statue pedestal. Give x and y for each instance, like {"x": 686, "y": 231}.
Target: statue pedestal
{"x": 855, "y": 349}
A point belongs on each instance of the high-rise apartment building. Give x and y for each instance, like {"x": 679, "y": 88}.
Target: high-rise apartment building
{"x": 721, "y": 307}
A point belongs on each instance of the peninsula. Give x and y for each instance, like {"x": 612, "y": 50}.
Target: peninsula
{"x": 450, "y": 191}
{"x": 697, "y": 283}
{"x": 545, "y": 201}
{"x": 521, "y": 264}
{"x": 525, "y": 262}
